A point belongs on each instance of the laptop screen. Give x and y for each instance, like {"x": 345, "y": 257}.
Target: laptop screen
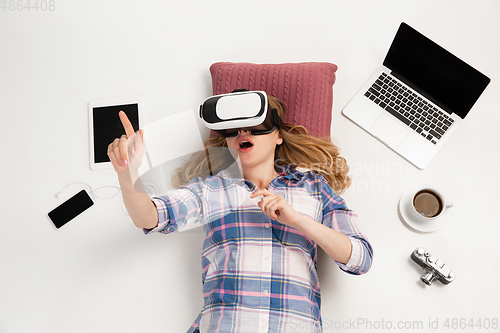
{"x": 434, "y": 72}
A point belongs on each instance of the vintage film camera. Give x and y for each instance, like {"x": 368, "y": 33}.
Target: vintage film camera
{"x": 435, "y": 269}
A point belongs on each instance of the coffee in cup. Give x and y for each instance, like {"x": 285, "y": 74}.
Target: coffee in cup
{"x": 424, "y": 208}
{"x": 428, "y": 203}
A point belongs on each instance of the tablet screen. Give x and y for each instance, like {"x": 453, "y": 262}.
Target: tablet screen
{"x": 107, "y": 127}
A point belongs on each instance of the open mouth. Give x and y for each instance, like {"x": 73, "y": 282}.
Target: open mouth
{"x": 244, "y": 144}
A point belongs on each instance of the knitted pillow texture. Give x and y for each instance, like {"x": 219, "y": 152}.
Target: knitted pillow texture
{"x": 306, "y": 89}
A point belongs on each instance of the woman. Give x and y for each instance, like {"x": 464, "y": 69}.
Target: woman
{"x": 262, "y": 225}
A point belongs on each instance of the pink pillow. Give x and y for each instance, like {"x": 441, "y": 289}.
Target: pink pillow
{"x": 305, "y": 88}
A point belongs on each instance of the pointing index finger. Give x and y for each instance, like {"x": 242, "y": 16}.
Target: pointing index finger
{"x": 127, "y": 125}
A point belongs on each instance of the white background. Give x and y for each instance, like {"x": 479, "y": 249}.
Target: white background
{"x": 100, "y": 274}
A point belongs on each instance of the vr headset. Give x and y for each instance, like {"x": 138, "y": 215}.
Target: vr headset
{"x": 245, "y": 110}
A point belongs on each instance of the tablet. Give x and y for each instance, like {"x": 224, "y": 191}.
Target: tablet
{"x": 105, "y": 125}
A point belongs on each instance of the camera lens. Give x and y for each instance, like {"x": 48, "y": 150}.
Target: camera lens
{"x": 427, "y": 278}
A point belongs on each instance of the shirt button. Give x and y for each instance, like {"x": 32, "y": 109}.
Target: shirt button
{"x": 266, "y": 258}
{"x": 265, "y": 292}
{"x": 266, "y": 225}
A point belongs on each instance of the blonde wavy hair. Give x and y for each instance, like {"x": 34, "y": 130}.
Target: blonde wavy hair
{"x": 299, "y": 149}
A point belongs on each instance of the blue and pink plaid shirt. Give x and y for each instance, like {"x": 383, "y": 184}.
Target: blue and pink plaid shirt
{"x": 258, "y": 274}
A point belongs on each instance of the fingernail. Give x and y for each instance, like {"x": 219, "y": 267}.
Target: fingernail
{"x": 125, "y": 162}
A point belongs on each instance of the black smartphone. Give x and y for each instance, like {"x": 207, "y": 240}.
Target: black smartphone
{"x": 71, "y": 208}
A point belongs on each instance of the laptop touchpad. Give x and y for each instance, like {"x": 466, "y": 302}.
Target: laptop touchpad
{"x": 389, "y": 131}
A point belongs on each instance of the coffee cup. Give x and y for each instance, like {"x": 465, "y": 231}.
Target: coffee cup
{"x": 429, "y": 203}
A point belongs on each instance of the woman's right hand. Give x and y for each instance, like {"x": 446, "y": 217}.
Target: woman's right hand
{"x": 126, "y": 152}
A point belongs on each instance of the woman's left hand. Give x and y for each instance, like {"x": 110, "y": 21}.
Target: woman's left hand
{"x": 277, "y": 208}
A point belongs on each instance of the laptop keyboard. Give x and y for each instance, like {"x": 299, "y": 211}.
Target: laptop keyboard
{"x": 413, "y": 110}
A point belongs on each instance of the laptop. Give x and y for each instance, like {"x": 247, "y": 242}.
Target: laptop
{"x": 418, "y": 98}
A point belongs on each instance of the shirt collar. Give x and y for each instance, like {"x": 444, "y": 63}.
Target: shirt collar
{"x": 291, "y": 172}
{"x": 234, "y": 173}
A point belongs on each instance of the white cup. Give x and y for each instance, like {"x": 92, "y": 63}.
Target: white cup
{"x": 444, "y": 204}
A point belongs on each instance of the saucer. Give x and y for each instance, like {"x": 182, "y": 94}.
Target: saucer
{"x": 406, "y": 212}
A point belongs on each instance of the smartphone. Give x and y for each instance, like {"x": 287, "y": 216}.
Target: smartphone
{"x": 71, "y": 208}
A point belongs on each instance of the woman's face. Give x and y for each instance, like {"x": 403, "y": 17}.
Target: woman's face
{"x": 254, "y": 149}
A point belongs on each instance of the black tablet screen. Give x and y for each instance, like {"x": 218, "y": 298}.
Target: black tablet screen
{"x": 107, "y": 127}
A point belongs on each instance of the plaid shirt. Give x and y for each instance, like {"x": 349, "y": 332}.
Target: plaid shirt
{"x": 258, "y": 274}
